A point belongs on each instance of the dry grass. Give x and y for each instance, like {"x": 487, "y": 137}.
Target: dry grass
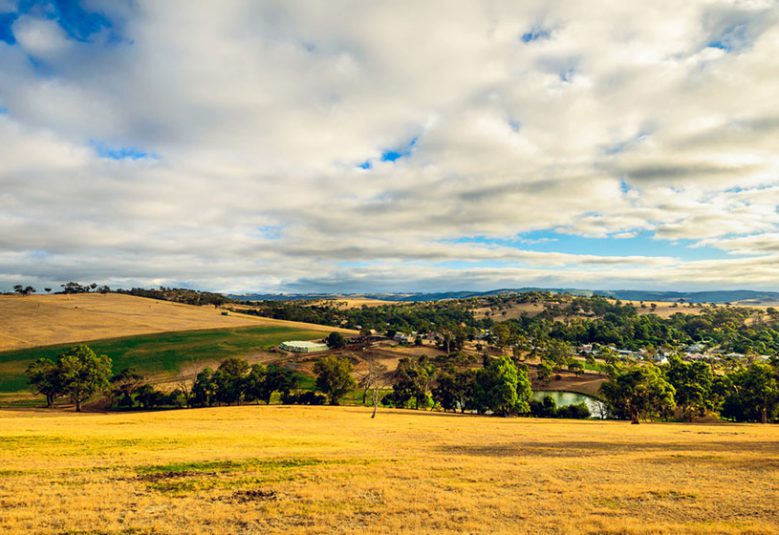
{"x": 354, "y": 302}
{"x": 510, "y": 311}
{"x": 40, "y": 320}
{"x": 664, "y": 309}
{"x": 334, "y": 470}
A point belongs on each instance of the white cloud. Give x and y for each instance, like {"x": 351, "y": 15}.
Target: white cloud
{"x": 259, "y": 114}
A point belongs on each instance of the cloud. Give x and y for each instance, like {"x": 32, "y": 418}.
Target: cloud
{"x": 151, "y": 142}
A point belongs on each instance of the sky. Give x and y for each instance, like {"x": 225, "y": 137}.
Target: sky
{"x": 367, "y": 146}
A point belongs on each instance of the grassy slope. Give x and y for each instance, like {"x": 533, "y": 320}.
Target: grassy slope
{"x": 330, "y": 469}
{"x": 43, "y": 320}
{"x": 156, "y": 354}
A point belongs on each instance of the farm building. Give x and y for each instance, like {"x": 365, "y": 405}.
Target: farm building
{"x": 297, "y": 346}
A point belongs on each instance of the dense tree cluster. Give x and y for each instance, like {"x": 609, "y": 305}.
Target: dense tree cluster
{"x": 234, "y": 382}
{"x": 645, "y": 391}
{"x": 178, "y": 295}
{"x": 600, "y": 321}
{"x": 78, "y": 373}
{"x": 77, "y": 288}
{"x": 499, "y": 387}
{"x": 572, "y": 319}
{"x": 446, "y": 317}
{"x": 23, "y": 290}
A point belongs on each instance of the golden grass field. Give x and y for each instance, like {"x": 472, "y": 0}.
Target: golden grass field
{"x": 282, "y": 469}
{"x": 40, "y": 320}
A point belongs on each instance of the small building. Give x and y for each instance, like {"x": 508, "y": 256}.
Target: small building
{"x": 404, "y": 338}
{"x": 297, "y": 346}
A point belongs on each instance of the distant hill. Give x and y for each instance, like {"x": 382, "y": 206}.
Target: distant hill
{"x": 715, "y": 296}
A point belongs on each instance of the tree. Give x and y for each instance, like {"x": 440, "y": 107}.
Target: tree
{"x": 73, "y": 288}
{"x": 254, "y": 384}
{"x": 24, "y": 290}
{"x": 576, "y": 367}
{"x": 44, "y": 377}
{"x": 638, "y": 392}
{"x": 83, "y": 373}
{"x": 373, "y": 382}
{"x": 279, "y": 379}
{"x": 544, "y": 372}
{"x": 753, "y": 394}
{"x": 204, "y": 388}
{"x": 335, "y": 340}
{"x": 185, "y": 392}
{"x": 229, "y": 380}
{"x": 558, "y": 353}
{"x": 334, "y": 377}
{"x": 692, "y": 382}
{"x": 502, "y": 388}
{"x": 501, "y": 335}
{"x": 454, "y": 390}
{"x": 149, "y": 397}
{"x": 411, "y": 380}
{"x": 124, "y": 386}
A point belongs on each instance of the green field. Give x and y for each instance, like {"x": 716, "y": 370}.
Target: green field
{"x": 154, "y": 354}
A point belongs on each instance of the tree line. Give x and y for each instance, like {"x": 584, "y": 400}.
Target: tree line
{"x": 500, "y": 386}
{"x": 79, "y": 375}
{"x": 646, "y": 391}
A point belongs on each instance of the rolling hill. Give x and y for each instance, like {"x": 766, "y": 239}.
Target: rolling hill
{"x": 164, "y": 341}
{"x": 43, "y": 320}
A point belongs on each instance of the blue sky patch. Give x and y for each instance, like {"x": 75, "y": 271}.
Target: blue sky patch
{"x": 6, "y": 33}
{"x": 732, "y": 38}
{"x": 719, "y": 44}
{"x": 77, "y": 22}
{"x": 271, "y": 232}
{"x": 403, "y": 152}
{"x": 121, "y": 153}
{"x": 391, "y": 155}
{"x": 537, "y": 33}
{"x": 643, "y": 244}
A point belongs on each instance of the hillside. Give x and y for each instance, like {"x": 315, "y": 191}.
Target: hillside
{"x": 745, "y": 297}
{"x": 42, "y": 320}
{"x": 166, "y": 342}
{"x": 276, "y": 469}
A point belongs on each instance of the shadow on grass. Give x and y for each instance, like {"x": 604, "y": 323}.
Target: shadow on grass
{"x": 574, "y": 449}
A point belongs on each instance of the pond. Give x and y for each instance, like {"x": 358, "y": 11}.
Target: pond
{"x": 571, "y": 398}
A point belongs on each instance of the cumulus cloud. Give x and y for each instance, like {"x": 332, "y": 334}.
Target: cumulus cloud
{"x": 350, "y": 145}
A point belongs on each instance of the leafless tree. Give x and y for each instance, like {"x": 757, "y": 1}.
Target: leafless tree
{"x": 373, "y": 382}
{"x": 185, "y": 387}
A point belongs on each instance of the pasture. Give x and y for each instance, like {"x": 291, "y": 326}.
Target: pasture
{"x": 42, "y": 320}
{"x": 282, "y": 469}
{"x": 164, "y": 356}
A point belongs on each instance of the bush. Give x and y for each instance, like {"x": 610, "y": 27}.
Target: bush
{"x": 543, "y": 409}
{"x": 548, "y": 409}
{"x": 335, "y": 340}
{"x": 580, "y": 411}
{"x": 306, "y": 398}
